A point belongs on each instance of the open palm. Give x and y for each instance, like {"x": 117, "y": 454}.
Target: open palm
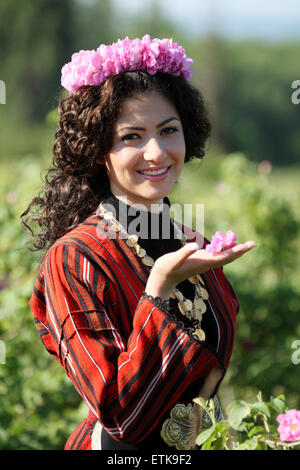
{"x": 189, "y": 261}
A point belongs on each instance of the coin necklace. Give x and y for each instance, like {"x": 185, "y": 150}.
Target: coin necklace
{"x": 191, "y": 309}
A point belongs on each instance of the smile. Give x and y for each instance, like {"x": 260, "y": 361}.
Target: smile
{"x": 155, "y": 173}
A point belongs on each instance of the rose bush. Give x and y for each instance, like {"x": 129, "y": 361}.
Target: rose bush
{"x": 252, "y": 426}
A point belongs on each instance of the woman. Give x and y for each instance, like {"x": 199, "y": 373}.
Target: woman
{"x": 142, "y": 324}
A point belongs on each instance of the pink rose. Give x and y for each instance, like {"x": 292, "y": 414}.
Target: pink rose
{"x": 289, "y": 425}
{"x": 82, "y": 70}
{"x": 152, "y": 55}
{"x": 220, "y": 241}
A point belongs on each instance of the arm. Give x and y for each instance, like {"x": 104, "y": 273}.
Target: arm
{"x": 129, "y": 384}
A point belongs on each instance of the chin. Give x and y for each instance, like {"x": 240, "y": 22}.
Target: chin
{"x": 154, "y": 196}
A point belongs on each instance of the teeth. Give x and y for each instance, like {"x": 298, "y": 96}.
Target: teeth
{"x": 155, "y": 172}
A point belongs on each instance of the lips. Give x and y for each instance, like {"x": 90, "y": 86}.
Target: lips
{"x": 158, "y": 174}
{"x": 154, "y": 171}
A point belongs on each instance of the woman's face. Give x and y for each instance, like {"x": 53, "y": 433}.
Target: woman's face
{"x": 148, "y": 150}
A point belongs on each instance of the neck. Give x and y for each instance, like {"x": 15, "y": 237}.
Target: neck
{"x": 155, "y": 206}
{"x": 135, "y": 219}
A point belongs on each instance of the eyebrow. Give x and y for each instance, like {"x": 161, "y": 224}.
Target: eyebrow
{"x": 157, "y": 127}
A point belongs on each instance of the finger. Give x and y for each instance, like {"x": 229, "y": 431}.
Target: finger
{"x": 228, "y": 253}
{"x": 240, "y": 248}
{"x": 183, "y": 253}
{"x": 235, "y": 252}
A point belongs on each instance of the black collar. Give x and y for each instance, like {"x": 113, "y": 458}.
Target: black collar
{"x": 135, "y": 219}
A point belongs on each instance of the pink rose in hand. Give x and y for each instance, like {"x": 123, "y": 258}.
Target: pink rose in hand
{"x": 220, "y": 241}
{"x": 289, "y": 425}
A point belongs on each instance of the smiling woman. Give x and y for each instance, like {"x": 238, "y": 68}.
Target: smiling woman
{"x": 78, "y": 180}
{"x": 143, "y": 165}
{"x": 123, "y": 313}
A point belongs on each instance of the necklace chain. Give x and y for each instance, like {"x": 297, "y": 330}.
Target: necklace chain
{"x": 191, "y": 309}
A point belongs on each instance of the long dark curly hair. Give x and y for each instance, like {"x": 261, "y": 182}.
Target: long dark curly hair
{"x": 77, "y": 182}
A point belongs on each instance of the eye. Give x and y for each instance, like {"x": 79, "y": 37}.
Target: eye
{"x": 129, "y": 137}
{"x": 169, "y": 130}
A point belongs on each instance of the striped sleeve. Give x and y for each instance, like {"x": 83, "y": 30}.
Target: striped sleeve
{"x": 128, "y": 383}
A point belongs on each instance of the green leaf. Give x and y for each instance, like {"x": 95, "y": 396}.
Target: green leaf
{"x": 202, "y": 403}
{"x": 249, "y": 444}
{"x": 209, "y": 444}
{"x": 243, "y": 427}
{"x": 278, "y": 404}
{"x": 256, "y": 430}
{"x": 219, "y": 443}
{"x": 222, "y": 426}
{"x": 236, "y": 412}
{"x": 261, "y": 408}
{"x": 204, "y": 435}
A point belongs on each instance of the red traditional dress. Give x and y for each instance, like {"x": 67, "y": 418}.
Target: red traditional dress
{"x": 130, "y": 358}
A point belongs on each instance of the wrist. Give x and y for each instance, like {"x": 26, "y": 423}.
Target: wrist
{"x": 157, "y": 287}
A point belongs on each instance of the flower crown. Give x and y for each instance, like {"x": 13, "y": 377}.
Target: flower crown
{"x": 92, "y": 67}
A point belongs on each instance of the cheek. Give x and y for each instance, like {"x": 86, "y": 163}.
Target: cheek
{"x": 121, "y": 162}
{"x": 179, "y": 154}
{"x": 180, "y": 150}
{"x": 180, "y": 166}
{"x": 113, "y": 167}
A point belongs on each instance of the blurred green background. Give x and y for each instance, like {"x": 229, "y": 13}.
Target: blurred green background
{"x": 248, "y": 182}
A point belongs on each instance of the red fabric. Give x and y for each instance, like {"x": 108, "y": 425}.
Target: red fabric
{"x": 128, "y": 360}
{"x": 81, "y": 438}
{"x": 91, "y": 419}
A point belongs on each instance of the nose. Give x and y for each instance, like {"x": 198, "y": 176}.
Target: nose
{"x": 153, "y": 150}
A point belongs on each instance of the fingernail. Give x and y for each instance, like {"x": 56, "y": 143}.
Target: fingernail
{"x": 251, "y": 244}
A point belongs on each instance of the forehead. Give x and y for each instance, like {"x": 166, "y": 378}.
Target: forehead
{"x": 146, "y": 108}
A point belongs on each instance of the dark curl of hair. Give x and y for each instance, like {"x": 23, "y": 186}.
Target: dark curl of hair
{"x": 77, "y": 183}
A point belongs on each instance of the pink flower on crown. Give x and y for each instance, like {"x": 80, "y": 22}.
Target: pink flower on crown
{"x": 289, "y": 425}
{"x": 85, "y": 68}
{"x": 220, "y": 241}
{"x": 92, "y": 67}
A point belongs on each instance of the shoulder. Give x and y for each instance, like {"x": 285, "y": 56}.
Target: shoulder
{"x": 85, "y": 237}
{"x": 88, "y": 246}
{"x": 82, "y": 241}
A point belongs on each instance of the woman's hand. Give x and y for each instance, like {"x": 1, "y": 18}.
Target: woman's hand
{"x": 177, "y": 266}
